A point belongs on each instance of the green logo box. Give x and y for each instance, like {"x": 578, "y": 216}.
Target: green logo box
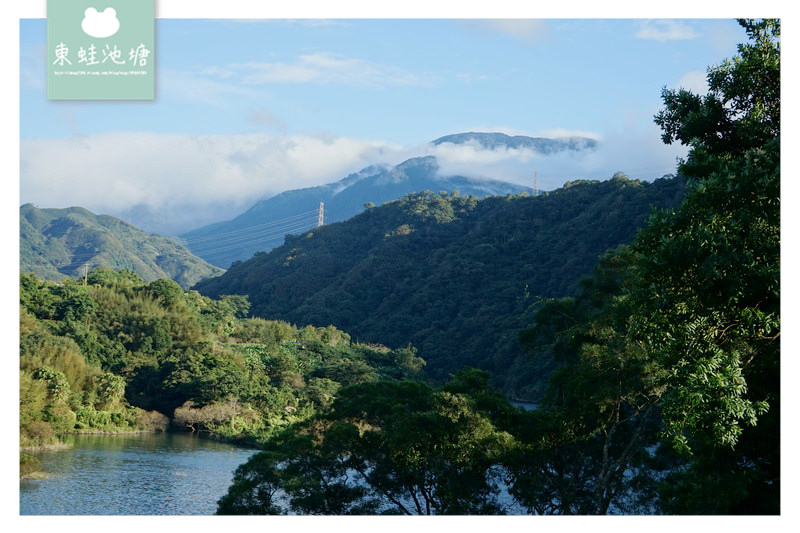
{"x": 100, "y": 49}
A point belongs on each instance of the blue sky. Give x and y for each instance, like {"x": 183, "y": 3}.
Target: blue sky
{"x": 245, "y": 109}
{"x": 403, "y": 81}
{"x": 619, "y": 78}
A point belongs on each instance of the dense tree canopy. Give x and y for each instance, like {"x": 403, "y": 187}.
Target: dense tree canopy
{"x": 453, "y": 275}
{"x": 113, "y": 353}
{"x": 663, "y": 392}
{"x": 689, "y": 330}
{"x": 389, "y": 447}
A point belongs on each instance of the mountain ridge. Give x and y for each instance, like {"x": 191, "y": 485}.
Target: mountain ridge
{"x": 374, "y": 184}
{"x": 58, "y": 243}
{"x": 543, "y": 145}
{"x": 455, "y": 276}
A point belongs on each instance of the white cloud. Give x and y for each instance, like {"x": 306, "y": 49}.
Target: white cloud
{"x": 199, "y": 179}
{"x": 560, "y": 132}
{"x": 263, "y": 118}
{"x": 473, "y": 160}
{"x": 527, "y": 30}
{"x": 199, "y": 89}
{"x": 548, "y": 133}
{"x": 113, "y": 172}
{"x": 322, "y": 68}
{"x": 664, "y": 30}
{"x": 694, "y": 81}
{"x": 639, "y": 153}
{"x": 470, "y": 77}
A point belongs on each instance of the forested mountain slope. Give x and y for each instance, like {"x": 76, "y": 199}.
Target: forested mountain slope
{"x": 58, "y": 243}
{"x": 455, "y": 276}
{"x": 263, "y": 226}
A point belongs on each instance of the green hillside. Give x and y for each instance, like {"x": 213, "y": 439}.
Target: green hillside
{"x": 264, "y": 226}
{"x": 455, "y": 276}
{"x": 58, "y": 243}
{"x": 121, "y": 354}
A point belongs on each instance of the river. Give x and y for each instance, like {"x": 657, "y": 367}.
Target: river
{"x": 133, "y": 474}
{"x": 528, "y": 406}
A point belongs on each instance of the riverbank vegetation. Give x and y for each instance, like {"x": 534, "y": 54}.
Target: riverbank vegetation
{"x": 120, "y": 354}
{"x": 663, "y": 395}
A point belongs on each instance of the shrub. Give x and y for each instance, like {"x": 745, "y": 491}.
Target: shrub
{"x": 60, "y": 417}
{"x": 36, "y": 433}
{"x": 150, "y": 420}
{"x": 28, "y": 464}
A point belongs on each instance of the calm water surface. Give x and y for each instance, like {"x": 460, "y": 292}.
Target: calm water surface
{"x": 138, "y": 474}
{"x": 528, "y": 406}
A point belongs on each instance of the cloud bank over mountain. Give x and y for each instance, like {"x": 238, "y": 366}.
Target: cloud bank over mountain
{"x": 117, "y": 171}
{"x": 202, "y": 178}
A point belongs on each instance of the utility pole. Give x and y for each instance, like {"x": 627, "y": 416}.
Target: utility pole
{"x": 536, "y": 182}
{"x": 321, "y": 217}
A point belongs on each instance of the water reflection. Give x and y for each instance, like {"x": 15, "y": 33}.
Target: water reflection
{"x": 528, "y": 406}
{"x": 150, "y": 473}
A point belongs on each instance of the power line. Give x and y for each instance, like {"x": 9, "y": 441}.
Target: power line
{"x": 241, "y": 241}
{"x": 262, "y": 239}
{"x": 273, "y": 235}
{"x": 251, "y": 233}
{"x": 249, "y": 228}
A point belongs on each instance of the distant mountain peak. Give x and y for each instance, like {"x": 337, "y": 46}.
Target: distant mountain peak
{"x": 544, "y": 145}
{"x": 408, "y": 170}
{"x": 358, "y": 176}
{"x": 266, "y": 223}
